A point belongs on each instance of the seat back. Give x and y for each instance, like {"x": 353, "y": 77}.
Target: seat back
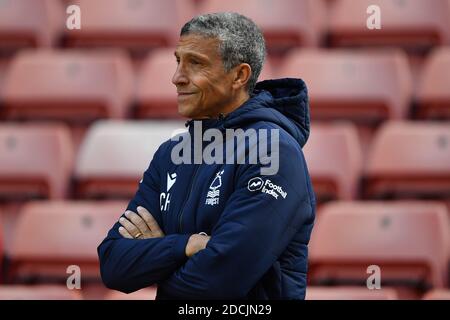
{"x": 409, "y": 160}
{"x": 434, "y": 89}
{"x": 364, "y": 86}
{"x": 334, "y": 158}
{"x": 135, "y": 25}
{"x": 73, "y": 86}
{"x": 114, "y": 156}
{"x": 412, "y": 24}
{"x": 407, "y": 240}
{"x": 30, "y": 23}
{"x": 51, "y": 236}
{"x": 36, "y": 161}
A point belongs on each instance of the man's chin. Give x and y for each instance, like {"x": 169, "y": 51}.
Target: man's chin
{"x": 185, "y": 111}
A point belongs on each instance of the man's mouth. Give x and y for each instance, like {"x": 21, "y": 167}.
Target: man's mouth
{"x": 185, "y": 94}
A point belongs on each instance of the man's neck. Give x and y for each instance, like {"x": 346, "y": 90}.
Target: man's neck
{"x": 235, "y": 105}
{"x": 239, "y": 101}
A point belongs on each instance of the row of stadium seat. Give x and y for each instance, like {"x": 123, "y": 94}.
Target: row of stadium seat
{"x": 77, "y": 86}
{"x": 407, "y": 240}
{"x": 58, "y": 292}
{"x": 285, "y": 23}
{"x": 405, "y": 160}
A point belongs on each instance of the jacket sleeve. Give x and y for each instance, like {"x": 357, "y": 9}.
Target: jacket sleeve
{"x": 252, "y": 232}
{"x": 128, "y": 265}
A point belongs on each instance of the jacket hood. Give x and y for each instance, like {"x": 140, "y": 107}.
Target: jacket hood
{"x": 283, "y": 102}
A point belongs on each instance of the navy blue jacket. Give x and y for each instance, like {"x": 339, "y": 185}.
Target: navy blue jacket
{"x": 259, "y": 225}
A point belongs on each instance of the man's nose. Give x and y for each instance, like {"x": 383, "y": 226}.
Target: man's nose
{"x": 179, "y": 78}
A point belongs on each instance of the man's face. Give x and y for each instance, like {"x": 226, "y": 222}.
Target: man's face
{"x": 204, "y": 88}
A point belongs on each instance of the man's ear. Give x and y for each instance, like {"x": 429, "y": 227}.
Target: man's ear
{"x": 242, "y": 74}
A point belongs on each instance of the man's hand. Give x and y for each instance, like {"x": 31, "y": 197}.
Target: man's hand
{"x": 142, "y": 225}
{"x": 139, "y": 226}
{"x": 196, "y": 243}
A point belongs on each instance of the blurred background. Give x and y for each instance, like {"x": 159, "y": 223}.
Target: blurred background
{"x": 82, "y": 112}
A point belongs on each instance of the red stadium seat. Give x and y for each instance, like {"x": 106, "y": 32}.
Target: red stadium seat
{"x": 30, "y": 23}
{"x": 143, "y": 294}
{"x": 37, "y": 292}
{"x": 130, "y": 24}
{"x": 285, "y": 23}
{"x": 156, "y": 94}
{"x": 413, "y": 24}
{"x": 366, "y": 87}
{"x": 333, "y": 154}
{"x": 35, "y": 161}
{"x": 349, "y": 293}
{"x": 409, "y": 160}
{"x": 434, "y": 90}
{"x": 51, "y": 236}
{"x": 437, "y": 294}
{"x": 114, "y": 156}
{"x": 407, "y": 240}
{"x": 68, "y": 85}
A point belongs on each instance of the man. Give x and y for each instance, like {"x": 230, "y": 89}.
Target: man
{"x": 221, "y": 230}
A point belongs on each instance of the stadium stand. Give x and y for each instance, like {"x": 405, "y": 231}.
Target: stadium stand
{"x": 433, "y": 99}
{"x": 409, "y": 160}
{"x": 407, "y": 240}
{"x": 380, "y": 102}
{"x": 413, "y": 24}
{"x": 36, "y": 161}
{"x": 73, "y": 86}
{"x": 367, "y": 87}
{"x": 114, "y": 156}
{"x": 29, "y": 23}
{"x": 333, "y": 154}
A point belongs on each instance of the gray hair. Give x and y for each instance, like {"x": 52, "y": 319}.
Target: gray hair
{"x": 240, "y": 40}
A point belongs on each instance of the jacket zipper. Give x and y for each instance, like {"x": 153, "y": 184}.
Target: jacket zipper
{"x": 186, "y": 199}
{"x": 180, "y": 218}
